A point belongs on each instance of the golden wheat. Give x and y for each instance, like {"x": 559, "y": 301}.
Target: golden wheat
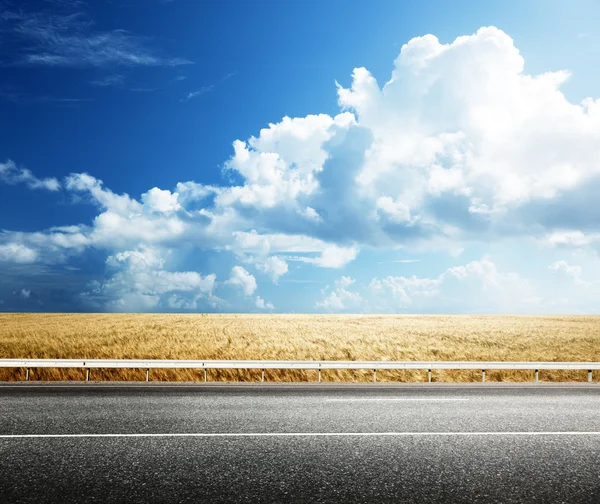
{"x": 310, "y": 337}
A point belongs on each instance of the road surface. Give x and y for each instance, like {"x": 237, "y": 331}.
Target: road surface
{"x": 300, "y": 443}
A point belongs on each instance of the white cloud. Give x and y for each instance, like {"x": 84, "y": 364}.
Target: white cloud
{"x": 336, "y": 257}
{"x": 241, "y": 278}
{"x": 273, "y": 266}
{"x": 67, "y": 38}
{"x": 124, "y": 224}
{"x": 394, "y": 210}
{"x": 344, "y": 282}
{"x": 341, "y": 299}
{"x": 105, "y": 198}
{"x": 570, "y": 238}
{"x": 331, "y": 257}
{"x": 162, "y": 201}
{"x": 573, "y": 271}
{"x": 311, "y": 214}
{"x": 260, "y": 303}
{"x": 138, "y": 281}
{"x": 475, "y": 287}
{"x": 52, "y": 246}
{"x": 254, "y": 242}
{"x": 401, "y": 291}
{"x": 192, "y": 192}
{"x": 25, "y": 293}
{"x": 459, "y": 141}
{"x": 195, "y": 94}
{"x": 11, "y": 174}
{"x": 18, "y": 253}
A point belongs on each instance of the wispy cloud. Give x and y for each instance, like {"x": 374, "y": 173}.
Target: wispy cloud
{"x": 11, "y": 174}
{"x": 145, "y": 89}
{"x": 27, "y": 99}
{"x": 205, "y": 89}
{"x": 199, "y": 92}
{"x": 66, "y": 3}
{"x": 120, "y": 81}
{"x": 59, "y": 39}
{"x": 114, "y": 80}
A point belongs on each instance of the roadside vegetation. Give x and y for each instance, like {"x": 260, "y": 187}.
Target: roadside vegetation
{"x": 303, "y": 337}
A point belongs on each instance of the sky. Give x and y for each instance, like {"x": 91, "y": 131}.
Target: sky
{"x": 299, "y": 156}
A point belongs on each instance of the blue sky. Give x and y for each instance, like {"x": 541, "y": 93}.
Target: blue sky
{"x": 299, "y": 156}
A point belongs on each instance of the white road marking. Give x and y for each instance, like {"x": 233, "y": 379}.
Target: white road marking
{"x": 410, "y": 399}
{"x": 300, "y": 434}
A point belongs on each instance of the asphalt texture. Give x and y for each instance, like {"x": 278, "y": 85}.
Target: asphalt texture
{"x": 300, "y": 443}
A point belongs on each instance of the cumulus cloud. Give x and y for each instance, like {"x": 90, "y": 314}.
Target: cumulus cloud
{"x": 11, "y": 174}
{"x": 478, "y": 286}
{"x": 458, "y": 131}
{"x": 571, "y": 270}
{"x": 274, "y": 267}
{"x": 261, "y": 304}
{"x": 138, "y": 281}
{"x": 163, "y": 201}
{"x": 241, "y": 278}
{"x": 125, "y": 222}
{"x": 459, "y": 144}
{"x": 344, "y": 282}
{"x": 570, "y": 238}
{"x": 340, "y": 298}
{"x": 18, "y": 253}
{"x": 55, "y": 245}
{"x": 331, "y": 257}
{"x": 265, "y": 243}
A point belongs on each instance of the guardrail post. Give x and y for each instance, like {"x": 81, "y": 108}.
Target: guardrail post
{"x": 204, "y": 375}
{"x": 483, "y": 375}
{"x": 148, "y": 374}
{"x": 590, "y": 375}
{"x": 262, "y": 378}
{"x": 429, "y": 375}
{"x": 87, "y": 375}
{"x": 27, "y": 375}
{"x": 537, "y": 375}
{"x": 319, "y": 375}
{"x": 374, "y": 375}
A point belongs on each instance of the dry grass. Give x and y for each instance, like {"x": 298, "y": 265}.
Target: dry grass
{"x": 312, "y": 337}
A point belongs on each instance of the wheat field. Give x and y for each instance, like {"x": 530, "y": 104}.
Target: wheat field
{"x": 310, "y": 337}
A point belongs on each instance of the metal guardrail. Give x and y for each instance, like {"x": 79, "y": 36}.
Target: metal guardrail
{"x": 88, "y": 364}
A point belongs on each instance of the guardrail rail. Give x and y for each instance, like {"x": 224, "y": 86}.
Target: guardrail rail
{"x": 88, "y": 364}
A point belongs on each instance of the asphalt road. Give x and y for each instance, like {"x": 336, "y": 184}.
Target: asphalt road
{"x": 293, "y": 443}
